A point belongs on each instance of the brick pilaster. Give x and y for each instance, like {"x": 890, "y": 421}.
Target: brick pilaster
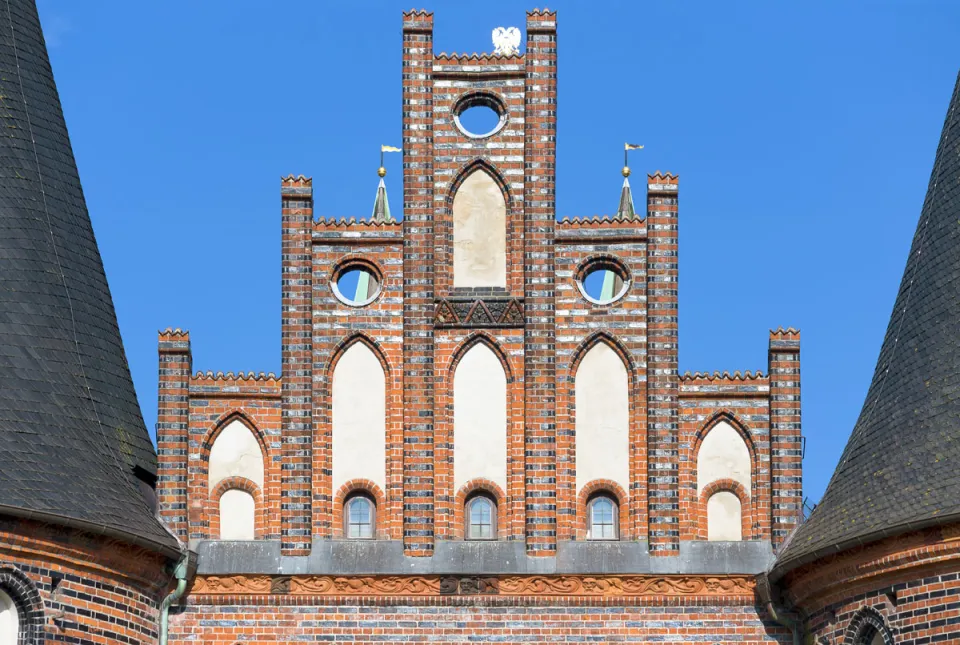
{"x": 785, "y": 433}
{"x": 539, "y": 204}
{"x": 296, "y": 351}
{"x": 663, "y": 455}
{"x": 418, "y": 284}
{"x": 173, "y": 409}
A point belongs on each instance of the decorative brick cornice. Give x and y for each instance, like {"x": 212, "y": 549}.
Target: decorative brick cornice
{"x": 634, "y": 586}
{"x": 724, "y": 376}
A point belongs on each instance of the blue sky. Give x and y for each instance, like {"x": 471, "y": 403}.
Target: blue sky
{"x": 803, "y": 134}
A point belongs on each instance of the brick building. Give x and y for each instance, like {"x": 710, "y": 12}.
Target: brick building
{"x": 480, "y": 424}
{"x": 479, "y": 433}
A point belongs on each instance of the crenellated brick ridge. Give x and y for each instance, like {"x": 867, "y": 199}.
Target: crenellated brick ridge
{"x": 725, "y": 376}
{"x": 785, "y": 432}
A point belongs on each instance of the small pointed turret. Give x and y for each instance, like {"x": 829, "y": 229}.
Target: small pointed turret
{"x": 381, "y": 206}
{"x": 626, "y": 210}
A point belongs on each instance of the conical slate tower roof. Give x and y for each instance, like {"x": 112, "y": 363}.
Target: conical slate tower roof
{"x": 73, "y": 445}
{"x": 381, "y": 205}
{"x": 625, "y": 209}
{"x": 901, "y": 468}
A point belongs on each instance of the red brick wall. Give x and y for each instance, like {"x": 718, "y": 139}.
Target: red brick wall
{"x": 907, "y": 586}
{"x": 528, "y": 621}
{"x": 173, "y": 428}
{"x": 72, "y": 587}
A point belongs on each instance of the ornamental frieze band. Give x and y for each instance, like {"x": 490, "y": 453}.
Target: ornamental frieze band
{"x": 592, "y": 586}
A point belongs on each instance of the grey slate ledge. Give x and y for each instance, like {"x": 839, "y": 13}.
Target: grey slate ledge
{"x": 385, "y": 557}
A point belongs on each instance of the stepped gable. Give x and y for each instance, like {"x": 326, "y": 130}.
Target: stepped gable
{"x": 72, "y": 439}
{"x": 899, "y": 470}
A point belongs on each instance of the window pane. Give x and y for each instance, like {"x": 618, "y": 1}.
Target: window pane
{"x": 360, "y": 518}
{"x": 482, "y": 519}
{"x": 603, "y": 515}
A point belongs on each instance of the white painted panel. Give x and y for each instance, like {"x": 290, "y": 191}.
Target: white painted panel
{"x": 479, "y": 233}
{"x": 359, "y": 418}
{"x": 723, "y": 455}
{"x": 723, "y": 517}
{"x": 9, "y": 619}
{"x": 602, "y": 418}
{"x": 236, "y": 453}
{"x": 237, "y": 510}
{"x": 479, "y": 418}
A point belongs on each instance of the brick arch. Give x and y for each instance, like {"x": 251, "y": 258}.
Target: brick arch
{"x": 468, "y": 343}
{"x": 600, "y": 487}
{"x": 611, "y": 341}
{"x": 235, "y": 414}
{"x": 25, "y": 596}
{"x": 863, "y": 621}
{"x": 349, "y": 341}
{"x": 246, "y": 485}
{"x": 468, "y": 168}
{"x": 359, "y": 487}
{"x": 470, "y": 489}
{"x": 747, "y": 531}
{"x": 202, "y": 515}
{"x": 737, "y": 424}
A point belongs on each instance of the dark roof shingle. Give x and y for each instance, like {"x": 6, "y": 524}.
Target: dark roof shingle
{"x": 901, "y": 467}
{"x": 71, "y": 431}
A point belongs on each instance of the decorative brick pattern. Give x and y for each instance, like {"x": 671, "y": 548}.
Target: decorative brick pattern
{"x": 785, "y": 434}
{"x": 539, "y": 206}
{"x": 663, "y": 441}
{"x": 296, "y": 336}
{"x": 73, "y": 587}
{"x": 418, "y": 283}
{"x": 172, "y": 428}
{"x": 906, "y": 588}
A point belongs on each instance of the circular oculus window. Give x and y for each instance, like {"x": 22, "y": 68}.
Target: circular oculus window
{"x": 479, "y": 116}
{"x": 603, "y": 282}
{"x": 356, "y": 285}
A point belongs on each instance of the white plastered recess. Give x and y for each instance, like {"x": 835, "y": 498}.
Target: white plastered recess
{"x": 359, "y": 418}
{"x": 236, "y": 453}
{"x": 602, "y": 418}
{"x": 9, "y": 620}
{"x": 723, "y": 517}
{"x": 723, "y": 455}
{"x": 479, "y": 233}
{"x": 237, "y": 510}
{"x": 479, "y": 418}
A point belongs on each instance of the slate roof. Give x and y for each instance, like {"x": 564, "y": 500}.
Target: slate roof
{"x": 71, "y": 432}
{"x": 901, "y": 467}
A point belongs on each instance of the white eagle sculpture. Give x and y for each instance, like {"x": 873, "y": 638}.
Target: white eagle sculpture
{"x": 506, "y": 42}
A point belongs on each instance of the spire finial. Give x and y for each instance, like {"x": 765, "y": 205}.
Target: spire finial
{"x": 627, "y": 147}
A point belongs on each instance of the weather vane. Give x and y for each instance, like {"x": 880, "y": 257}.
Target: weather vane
{"x": 627, "y": 147}
{"x": 381, "y": 171}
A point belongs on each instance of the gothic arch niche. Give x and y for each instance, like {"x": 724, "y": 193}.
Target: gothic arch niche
{"x": 868, "y": 628}
{"x": 479, "y": 233}
{"x": 479, "y": 418}
{"x": 602, "y": 418}
{"x": 235, "y": 455}
{"x": 723, "y": 456}
{"x": 359, "y": 402}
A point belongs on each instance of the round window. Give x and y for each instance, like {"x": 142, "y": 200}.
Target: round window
{"x": 479, "y": 116}
{"x": 603, "y": 282}
{"x": 356, "y": 285}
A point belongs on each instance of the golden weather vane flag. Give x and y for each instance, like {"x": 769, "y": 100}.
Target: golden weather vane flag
{"x": 627, "y": 147}
{"x": 384, "y": 148}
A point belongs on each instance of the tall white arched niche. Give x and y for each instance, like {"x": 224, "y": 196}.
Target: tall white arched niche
{"x": 237, "y": 512}
{"x": 723, "y": 517}
{"x": 236, "y": 453}
{"x": 479, "y": 418}
{"x": 359, "y": 418}
{"x": 9, "y": 619}
{"x": 479, "y": 233}
{"x": 602, "y": 418}
{"x": 723, "y": 455}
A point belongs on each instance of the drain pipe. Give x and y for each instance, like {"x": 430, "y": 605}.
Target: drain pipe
{"x": 766, "y": 596}
{"x": 180, "y": 573}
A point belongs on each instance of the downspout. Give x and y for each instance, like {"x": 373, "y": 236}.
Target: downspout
{"x": 766, "y": 596}
{"x": 180, "y": 573}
